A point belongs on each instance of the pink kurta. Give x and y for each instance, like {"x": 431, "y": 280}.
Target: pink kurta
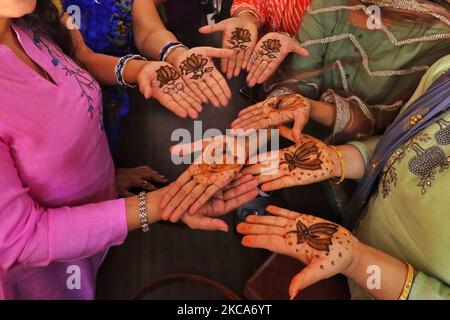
{"x": 58, "y": 206}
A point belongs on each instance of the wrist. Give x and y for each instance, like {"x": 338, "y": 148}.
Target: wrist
{"x": 356, "y": 263}
{"x": 248, "y": 17}
{"x": 338, "y": 161}
{"x": 173, "y": 56}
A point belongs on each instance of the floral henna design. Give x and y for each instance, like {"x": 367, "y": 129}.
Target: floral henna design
{"x": 219, "y": 174}
{"x": 318, "y": 236}
{"x": 167, "y": 77}
{"x": 307, "y": 157}
{"x": 240, "y": 36}
{"x": 269, "y": 48}
{"x": 195, "y": 65}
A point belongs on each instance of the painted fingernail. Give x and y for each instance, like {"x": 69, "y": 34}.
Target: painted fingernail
{"x": 295, "y": 294}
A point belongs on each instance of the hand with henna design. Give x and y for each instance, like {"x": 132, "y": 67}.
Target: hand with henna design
{"x": 308, "y": 161}
{"x": 240, "y": 191}
{"x": 211, "y": 172}
{"x": 240, "y": 35}
{"x": 268, "y": 54}
{"x": 162, "y": 81}
{"x": 274, "y": 112}
{"x": 200, "y": 75}
{"x": 325, "y": 247}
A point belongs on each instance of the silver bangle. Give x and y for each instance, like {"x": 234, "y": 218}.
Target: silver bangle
{"x": 119, "y": 70}
{"x": 280, "y": 92}
{"x": 143, "y": 213}
{"x": 171, "y": 49}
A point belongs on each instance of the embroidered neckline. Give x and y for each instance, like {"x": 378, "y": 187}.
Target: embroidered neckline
{"x": 84, "y": 80}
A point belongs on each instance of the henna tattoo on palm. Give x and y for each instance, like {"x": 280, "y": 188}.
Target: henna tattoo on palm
{"x": 240, "y": 37}
{"x": 167, "y": 77}
{"x": 318, "y": 236}
{"x": 196, "y": 65}
{"x": 269, "y": 48}
{"x": 307, "y": 157}
{"x": 324, "y": 240}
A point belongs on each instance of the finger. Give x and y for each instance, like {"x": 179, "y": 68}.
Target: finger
{"x": 286, "y": 133}
{"x": 248, "y": 115}
{"x": 232, "y": 65}
{"x": 205, "y": 223}
{"x": 222, "y": 83}
{"x": 308, "y": 276}
{"x": 281, "y": 212}
{"x": 238, "y": 181}
{"x": 240, "y": 189}
{"x": 273, "y": 243}
{"x": 300, "y": 121}
{"x": 208, "y": 93}
{"x": 234, "y": 203}
{"x": 217, "y": 90}
{"x": 247, "y": 56}
{"x": 204, "y": 198}
{"x": 256, "y": 229}
{"x": 258, "y": 72}
{"x": 280, "y": 222}
{"x": 186, "y": 106}
{"x": 281, "y": 183}
{"x": 253, "y": 69}
{"x": 154, "y": 176}
{"x": 252, "y": 60}
{"x": 187, "y": 95}
{"x": 173, "y": 189}
{"x": 258, "y": 122}
{"x": 217, "y": 53}
{"x": 188, "y": 148}
{"x": 171, "y": 209}
{"x": 145, "y": 88}
{"x": 298, "y": 49}
{"x": 170, "y": 103}
{"x": 270, "y": 69}
{"x": 190, "y": 95}
{"x": 193, "y": 86}
{"x": 221, "y": 26}
{"x": 239, "y": 61}
{"x": 224, "y": 65}
{"x": 191, "y": 196}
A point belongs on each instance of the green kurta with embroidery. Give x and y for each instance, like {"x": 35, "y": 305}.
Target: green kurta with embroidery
{"x": 409, "y": 215}
{"x": 393, "y": 70}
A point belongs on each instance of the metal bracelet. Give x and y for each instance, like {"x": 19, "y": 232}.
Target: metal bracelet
{"x": 119, "y": 70}
{"x": 143, "y": 213}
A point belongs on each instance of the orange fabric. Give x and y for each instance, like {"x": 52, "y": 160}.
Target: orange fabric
{"x": 276, "y": 15}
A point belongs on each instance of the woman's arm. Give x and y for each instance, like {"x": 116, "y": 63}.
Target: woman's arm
{"x": 150, "y": 34}
{"x": 327, "y": 249}
{"x": 33, "y": 235}
{"x": 102, "y": 66}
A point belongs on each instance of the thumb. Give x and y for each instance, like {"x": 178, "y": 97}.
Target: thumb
{"x": 221, "y": 26}
{"x": 308, "y": 276}
{"x": 286, "y": 133}
{"x": 299, "y": 125}
{"x": 298, "y": 49}
{"x": 218, "y": 53}
{"x": 145, "y": 87}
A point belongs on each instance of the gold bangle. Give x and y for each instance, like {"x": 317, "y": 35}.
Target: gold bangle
{"x": 252, "y": 13}
{"x": 342, "y": 161}
{"x": 408, "y": 283}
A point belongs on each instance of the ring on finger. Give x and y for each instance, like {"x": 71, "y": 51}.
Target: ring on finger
{"x": 144, "y": 183}
{"x": 270, "y": 122}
